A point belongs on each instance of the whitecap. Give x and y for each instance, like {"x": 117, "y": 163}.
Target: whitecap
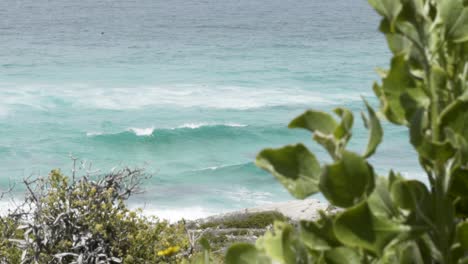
{"x": 221, "y": 166}
{"x": 177, "y": 214}
{"x": 142, "y": 131}
{"x": 187, "y": 96}
{"x": 235, "y": 125}
{"x": 92, "y": 134}
{"x": 203, "y": 124}
{"x": 193, "y": 125}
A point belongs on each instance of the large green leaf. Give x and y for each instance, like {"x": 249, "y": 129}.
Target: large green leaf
{"x": 461, "y": 207}
{"x": 398, "y": 44}
{"x": 397, "y": 82}
{"x": 331, "y": 135}
{"x": 358, "y": 227}
{"x": 455, "y": 117}
{"x": 318, "y": 235}
{"x": 375, "y": 130}
{"x": 387, "y": 8}
{"x": 409, "y": 194}
{"x": 342, "y": 255}
{"x": 294, "y": 166}
{"x": 343, "y": 130}
{"x": 242, "y": 253}
{"x": 454, "y": 15}
{"x": 462, "y": 234}
{"x": 410, "y": 254}
{"x": 281, "y": 244}
{"x": 315, "y": 121}
{"x": 460, "y": 144}
{"x": 459, "y": 184}
{"x": 380, "y": 200}
{"x": 423, "y": 143}
{"x": 347, "y": 181}
{"x": 330, "y": 144}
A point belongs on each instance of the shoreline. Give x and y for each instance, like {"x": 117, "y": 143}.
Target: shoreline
{"x": 295, "y": 210}
{"x": 307, "y": 209}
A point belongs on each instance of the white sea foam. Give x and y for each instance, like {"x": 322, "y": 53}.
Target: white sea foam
{"x": 192, "y": 125}
{"x": 176, "y": 214}
{"x": 48, "y": 97}
{"x": 92, "y": 134}
{"x": 221, "y": 166}
{"x": 235, "y": 125}
{"x": 199, "y": 125}
{"x": 142, "y": 131}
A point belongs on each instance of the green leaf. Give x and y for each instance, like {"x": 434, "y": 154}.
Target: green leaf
{"x": 454, "y": 15}
{"x": 294, "y": 166}
{"x": 380, "y": 200}
{"x": 241, "y": 253}
{"x": 462, "y": 234}
{"x": 461, "y": 207}
{"x": 398, "y": 44}
{"x": 347, "y": 181}
{"x": 455, "y": 116}
{"x": 423, "y": 143}
{"x": 315, "y": 121}
{"x": 343, "y": 130}
{"x": 458, "y": 142}
{"x": 413, "y": 100}
{"x": 459, "y": 184}
{"x": 329, "y": 143}
{"x": 395, "y": 84}
{"x": 327, "y": 132}
{"x": 410, "y": 254}
{"x": 417, "y": 126}
{"x": 280, "y": 244}
{"x": 358, "y": 227}
{"x": 342, "y": 255}
{"x": 375, "y": 130}
{"x": 409, "y": 194}
{"x": 318, "y": 235}
{"x": 387, "y": 8}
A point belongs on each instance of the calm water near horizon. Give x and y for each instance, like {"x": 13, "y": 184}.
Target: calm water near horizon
{"x": 190, "y": 90}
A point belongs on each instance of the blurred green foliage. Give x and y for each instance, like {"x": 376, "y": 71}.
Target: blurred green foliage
{"x": 386, "y": 218}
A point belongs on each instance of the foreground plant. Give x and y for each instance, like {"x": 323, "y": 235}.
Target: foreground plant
{"x": 386, "y": 219}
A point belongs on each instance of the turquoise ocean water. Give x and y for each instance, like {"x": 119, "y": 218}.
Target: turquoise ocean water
{"x": 191, "y": 90}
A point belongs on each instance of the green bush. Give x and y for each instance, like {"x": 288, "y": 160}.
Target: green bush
{"x": 386, "y": 219}
{"x": 86, "y": 221}
{"x": 245, "y": 220}
{"x": 9, "y": 230}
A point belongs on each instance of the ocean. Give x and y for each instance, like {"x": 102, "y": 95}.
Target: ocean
{"x": 189, "y": 90}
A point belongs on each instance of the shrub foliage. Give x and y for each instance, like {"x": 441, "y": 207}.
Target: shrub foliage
{"x": 87, "y": 221}
{"x": 386, "y": 218}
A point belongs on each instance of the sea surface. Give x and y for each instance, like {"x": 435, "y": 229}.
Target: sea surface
{"x": 190, "y": 90}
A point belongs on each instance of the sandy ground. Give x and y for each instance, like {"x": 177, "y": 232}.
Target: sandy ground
{"x": 295, "y": 210}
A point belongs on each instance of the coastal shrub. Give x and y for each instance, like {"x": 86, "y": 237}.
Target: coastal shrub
{"x": 245, "y": 220}
{"x": 86, "y": 221}
{"x": 9, "y": 229}
{"x": 386, "y": 218}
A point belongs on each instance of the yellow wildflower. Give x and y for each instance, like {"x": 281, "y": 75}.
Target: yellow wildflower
{"x": 169, "y": 251}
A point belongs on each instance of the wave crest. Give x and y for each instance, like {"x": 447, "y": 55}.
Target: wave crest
{"x": 152, "y": 131}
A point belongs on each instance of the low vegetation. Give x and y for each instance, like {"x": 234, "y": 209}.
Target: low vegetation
{"x": 86, "y": 221}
